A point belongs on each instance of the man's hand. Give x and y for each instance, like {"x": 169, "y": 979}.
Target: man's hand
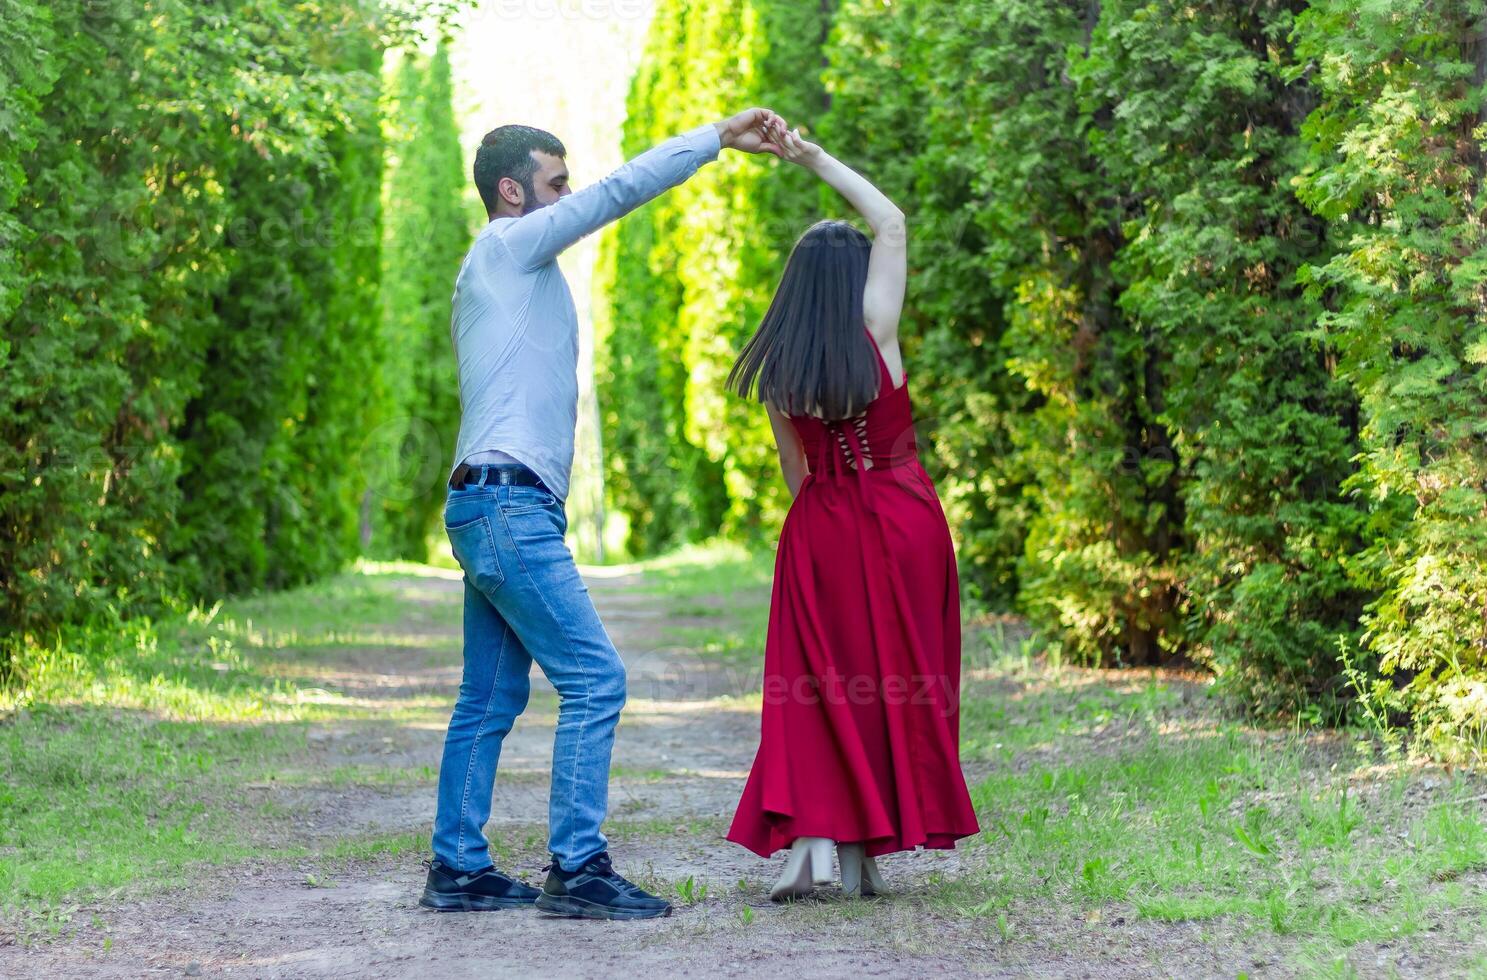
{"x": 750, "y": 131}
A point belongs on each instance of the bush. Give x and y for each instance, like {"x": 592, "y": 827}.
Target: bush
{"x": 190, "y": 226}
{"x": 1195, "y": 323}
{"x": 685, "y": 280}
{"x": 1395, "y": 157}
{"x": 425, "y": 237}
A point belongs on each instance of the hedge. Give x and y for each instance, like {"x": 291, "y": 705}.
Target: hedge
{"x": 191, "y": 334}
{"x": 1194, "y": 325}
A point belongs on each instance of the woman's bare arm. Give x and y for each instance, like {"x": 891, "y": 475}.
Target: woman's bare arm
{"x": 888, "y": 266}
{"x": 792, "y": 454}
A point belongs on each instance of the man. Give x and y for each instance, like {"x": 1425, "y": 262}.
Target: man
{"x": 515, "y": 334}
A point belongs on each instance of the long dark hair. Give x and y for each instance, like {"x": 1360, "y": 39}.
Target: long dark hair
{"x": 810, "y": 355}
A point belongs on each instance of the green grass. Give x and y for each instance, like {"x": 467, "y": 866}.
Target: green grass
{"x": 715, "y": 570}
{"x": 137, "y": 751}
{"x": 631, "y": 774}
{"x": 1121, "y": 795}
{"x": 95, "y": 799}
{"x": 125, "y": 755}
{"x": 724, "y": 589}
{"x": 635, "y": 829}
{"x": 737, "y": 642}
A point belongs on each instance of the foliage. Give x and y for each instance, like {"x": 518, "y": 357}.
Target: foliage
{"x": 1396, "y": 149}
{"x": 425, "y": 237}
{"x": 913, "y": 146}
{"x": 684, "y": 281}
{"x": 1194, "y": 322}
{"x": 190, "y": 228}
{"x": 1252, "y": 433}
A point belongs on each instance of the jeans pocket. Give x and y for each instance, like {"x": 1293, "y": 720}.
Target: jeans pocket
{"x": 520, "y": 499}
{"x": 474, "y": 547}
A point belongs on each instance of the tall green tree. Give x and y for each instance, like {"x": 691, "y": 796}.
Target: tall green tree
{"x": 1202, "y": 141}
{"x": 1119, "y": 363}
{"x": 1396, "y": 149}
{"x": 283, "y": 399}
{"x": 1104, "y": 522}
{"x": 426, "y": 233}
{"x": 189, "y": 235}
{"x": 653, "y": 473}
{"x": 912, "y": 145}
{"x": 113, "y": 203}
{"x": 684, "y": 281}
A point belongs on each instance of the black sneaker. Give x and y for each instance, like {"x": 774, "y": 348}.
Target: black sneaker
{"x": 448, "y": 890}
{"x": 596, "y": 891}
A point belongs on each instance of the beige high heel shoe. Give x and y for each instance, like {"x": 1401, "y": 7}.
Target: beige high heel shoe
{"x": 872, "y": 880}
{"x": 860, "y": 876}
{"x": 808, "y": 865}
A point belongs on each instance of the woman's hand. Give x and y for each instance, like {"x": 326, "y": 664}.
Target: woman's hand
{"x": 794, "y": 147}
{"x": 881, "y": 213}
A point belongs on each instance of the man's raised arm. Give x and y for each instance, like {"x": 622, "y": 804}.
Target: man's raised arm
{"x": 537, "y": 238}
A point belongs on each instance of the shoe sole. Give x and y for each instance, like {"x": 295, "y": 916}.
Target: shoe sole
{"x": 578, "y": 908}
{"x": 445, "y": 902}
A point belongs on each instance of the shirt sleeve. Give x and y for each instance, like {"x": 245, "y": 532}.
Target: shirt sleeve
{"x": 535, "y": 239}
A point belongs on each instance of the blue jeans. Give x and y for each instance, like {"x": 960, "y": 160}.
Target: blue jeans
{"x": 525, "y": 601}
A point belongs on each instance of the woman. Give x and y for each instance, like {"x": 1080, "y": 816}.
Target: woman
{"x": 859, "y": 736}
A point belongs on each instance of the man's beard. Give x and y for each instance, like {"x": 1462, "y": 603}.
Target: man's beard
{"x": 530, "y": 202}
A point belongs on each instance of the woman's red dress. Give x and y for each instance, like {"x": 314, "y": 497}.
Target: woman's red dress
{"x": 861, "y": 726}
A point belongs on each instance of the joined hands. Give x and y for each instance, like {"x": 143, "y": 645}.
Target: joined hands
{"x": 752, "y": 131}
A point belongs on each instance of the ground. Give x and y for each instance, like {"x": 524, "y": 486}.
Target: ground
{"x": 1129, "y": 828}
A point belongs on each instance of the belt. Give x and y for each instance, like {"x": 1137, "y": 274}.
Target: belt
{"x": 502, "y": 474}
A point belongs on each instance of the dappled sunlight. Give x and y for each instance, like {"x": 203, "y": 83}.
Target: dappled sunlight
{"x": 714, "y": 773}
{"x": 697, "y": 556}
{"x": 178, "y": 703}
{"x": 443, "y": 598}
{"x": 383, "y": 707}
{"x": 435, "y": 718}
{"x": 1124, "y": 791}
{"x": 309, "y": 640}
{"x": 639, "y": 709}
{"x": 605, "y": 572}
{"x": 1038, "y": 682}
{"x": 440, "y": 725}
{"x": 684, "y": 773}
{"x": 433, "y": 676}
{"x": 1192, "y": 727}
{"x": 371, "y": 568}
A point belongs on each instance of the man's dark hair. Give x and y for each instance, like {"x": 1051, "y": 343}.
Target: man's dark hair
{"x": 507, "y": 152}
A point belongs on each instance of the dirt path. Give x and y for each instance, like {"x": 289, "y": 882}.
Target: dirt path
{"x": 340, "y": 828}
{"x": 687, "y": 738}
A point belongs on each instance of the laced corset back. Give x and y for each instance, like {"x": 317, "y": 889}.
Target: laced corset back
{"x": 879, "y": 437}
